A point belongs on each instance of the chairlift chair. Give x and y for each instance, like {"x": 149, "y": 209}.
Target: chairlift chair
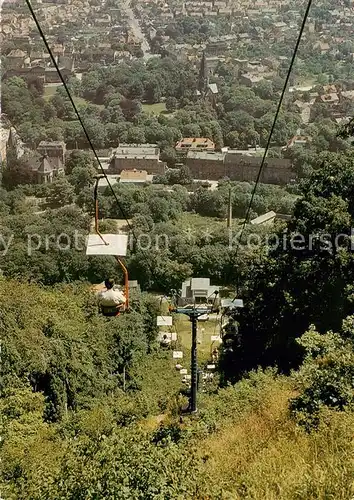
{"x": 109, "y": 244}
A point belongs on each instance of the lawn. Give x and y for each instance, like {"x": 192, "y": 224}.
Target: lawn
{"x": 156, "y": 108}
{"x": 79, "y": 101}
{"x": 183, "y": 327}
{"x": 49, "y": 92}
{"x": 198, "y": 223}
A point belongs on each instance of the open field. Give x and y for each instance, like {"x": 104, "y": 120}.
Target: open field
{"x": 49, "y": 91}
{"x": 156, "y": 109}
{"x": 79, "y": 101}
{"x": 199, "y": 223}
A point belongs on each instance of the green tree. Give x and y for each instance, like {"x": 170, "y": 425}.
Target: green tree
{"x": 61, "y": 193}
{"x": 18, "y": 173}
{"x": 308, "y": 279}
{"x": 171, "y": 104}
{"x": 326, "y": 377}
{"x": 77, "y": 159}
{"x": 136, "y": 135}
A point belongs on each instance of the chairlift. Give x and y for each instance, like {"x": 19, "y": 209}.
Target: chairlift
{"x": 109, "y": 244}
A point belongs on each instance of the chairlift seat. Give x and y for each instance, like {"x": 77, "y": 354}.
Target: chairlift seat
{"x": 117, "y": 245}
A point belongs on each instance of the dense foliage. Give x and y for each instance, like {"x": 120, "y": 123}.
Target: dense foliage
{"x": 326, "y": 377}
{"x": 110, "y": 104}
{"x": 55, "y": 342}
{"x": 306, "y": 275}
{"x": 46, "y": 242}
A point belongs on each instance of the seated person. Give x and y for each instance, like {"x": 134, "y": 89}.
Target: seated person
{"x": 165, "y": 341}
{"x": 111, "y": 300}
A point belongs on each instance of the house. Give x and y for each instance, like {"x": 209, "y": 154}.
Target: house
{"x": 245, "y": 168}
{"x": 51, "y": 75}
{"x": 322, "y": 46}
{"x": 137, "y": 157}
{"x": 22, "y": 42}
{"x": 15, "y": 59}
{"x": 54, "y": 151}
{"x": 46, "y": 171}
{"x": 249, "y": 79}
{"x": 194, "y": 144}
{"x": 103, "y": 184}
{"x": 330, "y": 89}
{"x": 197, "y": 290}
{"x": 331, "y": 98}
{"x": 347, "y": 95}
{"x": 47, "y": 74}
{"x": 217, "y": 48}
{"x": 206, "y": 165}
{"x": 298, "y": 140}
{"x": 133, "y": 177}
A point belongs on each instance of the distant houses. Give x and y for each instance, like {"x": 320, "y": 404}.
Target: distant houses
{"x": 138, "y": 163}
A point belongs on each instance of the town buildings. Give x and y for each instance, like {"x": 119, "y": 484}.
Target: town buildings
{"x": 137, "y": 177}
{"x": 238, "y": 167}
{"x": 197, "y": 290}
{"x": 137, "y": 157}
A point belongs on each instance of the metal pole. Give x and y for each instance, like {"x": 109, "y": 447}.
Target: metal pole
{"x": 95, "y": 194}
{"x": 229, "y": 210}
{"x": 126, "y": 282}
{"x": 194, "y": 366}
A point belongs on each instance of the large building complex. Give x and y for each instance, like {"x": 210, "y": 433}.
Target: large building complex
{"x": 238, "y": 167}
{"x": 137, "y": 157}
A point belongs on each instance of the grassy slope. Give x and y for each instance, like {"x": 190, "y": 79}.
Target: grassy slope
{"x": 263, "y": 455}
{"x": 248, "y": 446}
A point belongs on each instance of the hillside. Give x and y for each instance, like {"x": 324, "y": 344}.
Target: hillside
{"x": 63, "y": 399}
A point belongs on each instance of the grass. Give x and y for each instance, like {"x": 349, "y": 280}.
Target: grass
{"x": 199, "y": 223}
{"x": 263, "y": 455}
{"x": 156, "y": 108}
{"x": 205, "y": 330}
{"x": 49, "y": 92}
{"x": 256, "y": 450}
{"x": 79, "y": 101}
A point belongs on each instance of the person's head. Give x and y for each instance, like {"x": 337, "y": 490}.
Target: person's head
{"x": 109, "y": 283}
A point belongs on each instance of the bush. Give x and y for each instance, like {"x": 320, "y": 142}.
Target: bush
{"x": 326, "y": 376}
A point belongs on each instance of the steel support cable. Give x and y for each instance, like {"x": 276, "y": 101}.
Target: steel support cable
{"x": 274, "y": 124}
{"x": 86, "y": 133}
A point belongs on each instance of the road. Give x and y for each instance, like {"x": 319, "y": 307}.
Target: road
{"x": 135, "y": 28}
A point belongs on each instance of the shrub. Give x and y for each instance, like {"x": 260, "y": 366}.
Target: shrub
{"x": 326, "y": 377}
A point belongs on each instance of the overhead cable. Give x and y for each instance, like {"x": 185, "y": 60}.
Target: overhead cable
{"x": 286, "y": 82}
